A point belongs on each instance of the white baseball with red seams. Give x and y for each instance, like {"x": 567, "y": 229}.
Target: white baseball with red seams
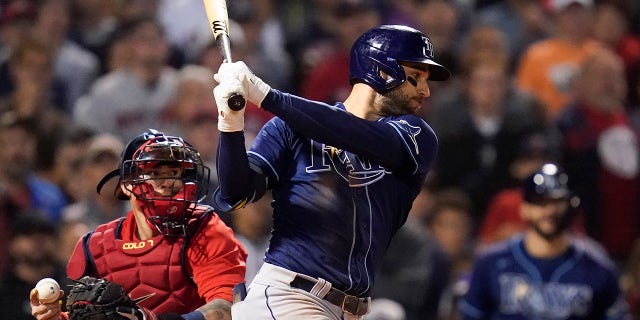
{"x": 48, "y": 290}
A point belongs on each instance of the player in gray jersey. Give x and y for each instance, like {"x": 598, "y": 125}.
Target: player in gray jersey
{"x": 343, "y": 177}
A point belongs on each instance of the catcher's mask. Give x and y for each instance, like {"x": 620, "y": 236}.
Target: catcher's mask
{"x": 167, "y": 177}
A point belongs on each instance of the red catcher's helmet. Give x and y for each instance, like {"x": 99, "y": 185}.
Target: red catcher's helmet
{"x": 169, "y": 214}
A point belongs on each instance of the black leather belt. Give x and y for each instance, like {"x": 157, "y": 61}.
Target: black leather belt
{"x": 352, "y": 304}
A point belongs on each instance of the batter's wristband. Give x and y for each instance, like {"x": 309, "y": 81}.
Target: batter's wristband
{"x": 195, "y": 315}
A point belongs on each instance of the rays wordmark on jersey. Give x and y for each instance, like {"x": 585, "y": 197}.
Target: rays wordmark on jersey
{"x": 352, "y": 168}
{"x": 548, "y": 300}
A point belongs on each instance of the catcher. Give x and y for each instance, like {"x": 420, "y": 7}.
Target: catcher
{"x": 173, "y": 257}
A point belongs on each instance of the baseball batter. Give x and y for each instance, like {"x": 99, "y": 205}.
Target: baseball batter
{"x": 544, "y": 273}
{"x": 169, "y": 248}
{"x": 343, "y": 177}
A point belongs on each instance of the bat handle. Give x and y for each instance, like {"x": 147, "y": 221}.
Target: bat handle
{"x": 236, "y": 102}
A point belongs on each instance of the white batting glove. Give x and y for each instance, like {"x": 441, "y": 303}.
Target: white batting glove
{"x": 228, "y": 120}
{"x": 254, "y": 89}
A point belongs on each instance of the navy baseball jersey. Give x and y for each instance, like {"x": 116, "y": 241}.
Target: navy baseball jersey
{"x": 341, "y": 188}
{"x": 508, "y": 283}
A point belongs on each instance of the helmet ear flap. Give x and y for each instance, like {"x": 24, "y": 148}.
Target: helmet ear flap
{"x": 383, "y": 74}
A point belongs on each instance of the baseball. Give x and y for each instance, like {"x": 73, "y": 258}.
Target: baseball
{"x": 48, "y": 290}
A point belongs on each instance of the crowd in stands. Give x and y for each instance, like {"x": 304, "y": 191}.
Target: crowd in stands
{"x": 533, "y": 81}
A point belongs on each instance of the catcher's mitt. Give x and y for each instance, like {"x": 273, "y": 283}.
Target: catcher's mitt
{"x": 96, "y": 299}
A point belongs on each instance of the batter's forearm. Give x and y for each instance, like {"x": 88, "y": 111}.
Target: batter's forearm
{"x": 233, "y": 167}
{"x": 217, "y": 309}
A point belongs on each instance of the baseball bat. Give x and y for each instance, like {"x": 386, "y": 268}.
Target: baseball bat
{"x": 219, "y": 23}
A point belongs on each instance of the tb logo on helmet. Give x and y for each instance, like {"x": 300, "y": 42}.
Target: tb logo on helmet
{"x": 383, "y": 48}
{"x": 427, "y": 51}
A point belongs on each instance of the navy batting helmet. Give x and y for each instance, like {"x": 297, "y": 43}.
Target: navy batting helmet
{"x": 548, "y": 183}
{"x": 381, "y": 49}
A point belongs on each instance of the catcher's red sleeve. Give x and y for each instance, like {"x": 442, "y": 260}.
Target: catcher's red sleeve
{"x": 77, "y": 263}
{"x": 217, "y": 260}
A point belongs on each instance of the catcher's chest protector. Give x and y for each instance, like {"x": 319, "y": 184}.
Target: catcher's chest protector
{"x": 146, "y": 267}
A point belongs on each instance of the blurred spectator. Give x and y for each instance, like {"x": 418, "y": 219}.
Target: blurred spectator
{"x": 75, "y": 66}
{"x": 481, "y": 41}
{"x": 400, "y": 12}
{"x": 451, "y": 223}
{"x": 630, "y": 280}
{"x": 441, "y": 21}
{"x": 484, "y": 40}
{"x": 326, "y": 61}
{"x": 31, "y": 257}
{"x": 31, "y": 72}
{"x": 193, "y": 96}
{"x": 100, "y": 157}
{"x": 130, "y": 11}
{"x": 634, "y": 97}
{"x": 480, "y": 123}
{"x": 70, "y": 232}
{"x": 264, "y": 39}
{"x": 16, "y": 18}
{"x": 611, "y": 27}
{"x": 450, "y": 220}
{"x": 252, "y": 227}
{"x": 600, "y": 152}
{"x": 92, "y": 26}
{"x": 91, "y": 209}
{"x": 21, "y": 188}
{"x": 522, "y": 21}
{"x": 422, "y": 204}
{"x": 182, "y": 21}
{"x": 547, "y": 67}
{"x": 117, "y": 53}
{"x": 130, "y": 99}
{"x": 72, "y": 144}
